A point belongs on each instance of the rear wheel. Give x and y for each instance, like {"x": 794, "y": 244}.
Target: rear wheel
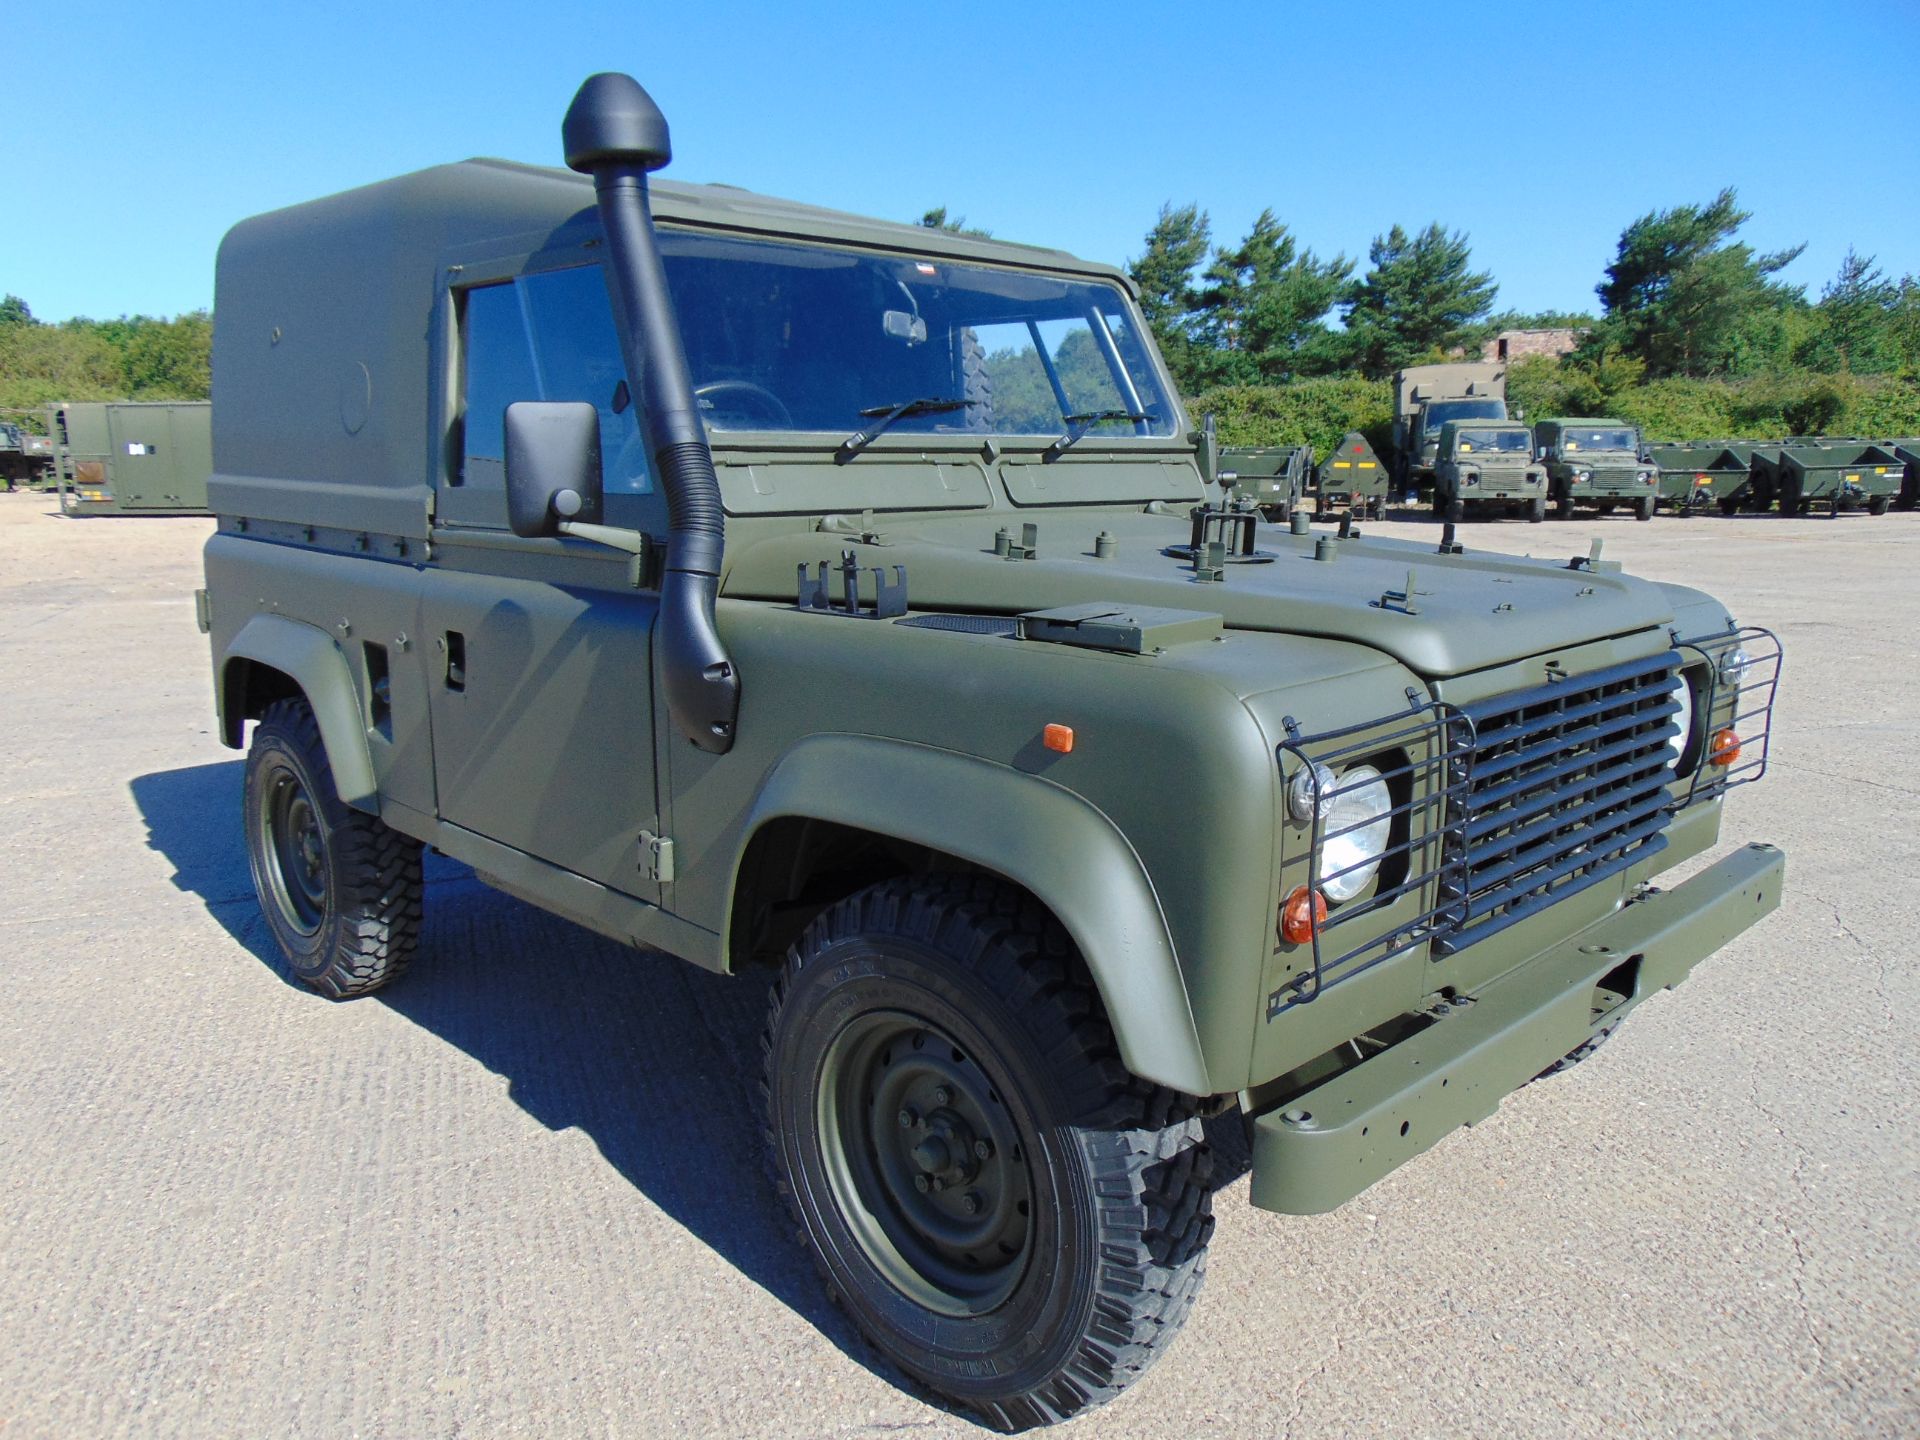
{"x": 340, "y": 890}
{"x": 1877, "y": 505}
{"x": 1001, "y": 1208}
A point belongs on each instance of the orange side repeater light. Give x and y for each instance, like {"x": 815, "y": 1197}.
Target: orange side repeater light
{"x": 1058, "y": 738}
{"x": 1726, "y": 748}
{"x": 1304, "y": 913}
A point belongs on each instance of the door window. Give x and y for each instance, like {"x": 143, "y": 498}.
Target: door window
{"x": 545, "y": 336}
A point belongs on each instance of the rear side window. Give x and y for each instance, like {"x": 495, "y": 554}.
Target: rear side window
{"x": 547, "y": 336}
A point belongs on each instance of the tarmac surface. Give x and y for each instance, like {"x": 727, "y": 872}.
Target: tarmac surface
{"x": 521, "y": 1192}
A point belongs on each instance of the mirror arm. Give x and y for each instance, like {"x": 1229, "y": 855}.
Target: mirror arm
{"x": 634, "y": 542}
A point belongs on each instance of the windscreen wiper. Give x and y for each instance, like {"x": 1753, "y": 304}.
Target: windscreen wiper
{"x": 883, "y": 417}
{"x": 1079, "y": 425}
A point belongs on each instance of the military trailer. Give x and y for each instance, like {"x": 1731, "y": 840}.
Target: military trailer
{"x": 124, "y": 457}
{"x": 1596, "y": 464}
{"x": 1351, "y": 478}
{"x": 1698, "y": 476}
{"x": 1834, "y": 475}
{"x": 1273, "y": 478}
{"x": 1426, "y": 397}
{"x": 1486, "y": 467}
{"x": 25, "y": 458}
{"x": 770, "y": 586}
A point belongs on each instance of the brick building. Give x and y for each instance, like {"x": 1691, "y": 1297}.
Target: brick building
{"x": 1512, "y": 344}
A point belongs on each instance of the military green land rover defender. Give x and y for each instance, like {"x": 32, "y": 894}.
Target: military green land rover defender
{"x": 773, "y": 587}
{"x": 1597, "y": 464}
{"x": 1487, "y": 466}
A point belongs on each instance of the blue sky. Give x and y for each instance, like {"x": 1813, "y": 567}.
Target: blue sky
{"x": 146, "y": 129}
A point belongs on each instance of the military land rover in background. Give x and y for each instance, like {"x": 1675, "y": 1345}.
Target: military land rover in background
{"x": 1425, "y": 398}
{"x": 1486, "y": 466}
{"x": 774, "y": 587}
{"x": 1598, "y": 464}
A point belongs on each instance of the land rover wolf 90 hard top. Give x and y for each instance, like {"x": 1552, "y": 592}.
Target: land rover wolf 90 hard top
{"x": 770, "y": 586}
{"x": 1598, "y": 464}
{"x": 1487, "y": 466}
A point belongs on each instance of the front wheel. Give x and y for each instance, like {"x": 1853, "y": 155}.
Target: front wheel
{"x": 1536, "y": 510}
{"x": 1002, "y": 1209}
{"x": 340, "y": 890}
{"x": 1643, "y": 507}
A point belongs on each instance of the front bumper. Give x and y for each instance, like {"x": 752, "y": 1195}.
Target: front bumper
{"x": 1321, "y": 1148}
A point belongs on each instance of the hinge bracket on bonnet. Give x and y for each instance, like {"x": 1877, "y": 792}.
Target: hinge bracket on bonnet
{"x": 890, "y": 596}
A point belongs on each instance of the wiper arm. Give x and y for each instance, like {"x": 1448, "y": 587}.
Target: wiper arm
{"x": 884, "y": 416}
{"x": 1079, "y": 425}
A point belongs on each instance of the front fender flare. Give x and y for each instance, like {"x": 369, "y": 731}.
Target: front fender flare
{"x": 1036, "y": 834}
{"x": 310, "y": 657}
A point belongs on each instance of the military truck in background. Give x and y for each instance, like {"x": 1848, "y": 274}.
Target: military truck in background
{"x": 127, "y": 457}
{"x": 770, "y": 586}
{"x": 1598, "y": 464}
{"x": 26, "y": 458}
{"x": 1352, "y": 478}
{"x": 1487, "y": 466}
{"x": 1271, "y": 478}
{"x": 1426, "y": 397}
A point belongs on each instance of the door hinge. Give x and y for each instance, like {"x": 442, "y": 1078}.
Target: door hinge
{"x": 656, "y": 857}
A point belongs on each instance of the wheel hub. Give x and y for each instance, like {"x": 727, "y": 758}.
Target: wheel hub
{"x": 926, "y": 1163}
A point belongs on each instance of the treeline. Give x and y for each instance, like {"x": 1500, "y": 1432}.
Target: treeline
{"x": 136, "y": 357}
{"x": 1694, "y": 336}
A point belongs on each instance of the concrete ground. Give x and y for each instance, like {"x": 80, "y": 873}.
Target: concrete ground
{"x": 520, "y": 1194}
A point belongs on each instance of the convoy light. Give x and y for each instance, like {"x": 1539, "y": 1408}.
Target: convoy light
{"x": 1726, "y": 748}
{"x": 1733, "y": 665}
{"x": 1304, "y": 912}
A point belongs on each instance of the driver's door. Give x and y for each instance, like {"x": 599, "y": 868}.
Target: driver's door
{"x": 541, "y": 662}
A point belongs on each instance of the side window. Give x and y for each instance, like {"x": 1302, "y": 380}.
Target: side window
{"x": 499, "y": 370}
{"x": 546, "y": 336}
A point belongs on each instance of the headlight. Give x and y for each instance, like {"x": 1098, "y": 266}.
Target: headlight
{"x": 1583, "y": 475}
{"x": 1354, "y": 821}
{"x": 1683, "y": 692}
{"x": 1646, "y": 477}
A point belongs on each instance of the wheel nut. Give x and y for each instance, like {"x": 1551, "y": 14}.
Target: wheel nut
{"x": 942, "y": 1096}
{"x": 983, "y": 1149}
{"x": 923, "y": 1183}
{"x": 970, "y": 1202}
{"x": 909, "y": 1117}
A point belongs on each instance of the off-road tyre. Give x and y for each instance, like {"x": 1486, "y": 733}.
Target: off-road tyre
{"x": 1643, "y": 507}
{"x": 1563, "y": 506}
{"x": 1536, "y": 510}
{"x": 976, "y": 383}
{"x": 350, "y": 923}
{"x": 1579, "y": 1052}
{"x": 1117, "y": 1196}
{"x": 1878, "y": 504}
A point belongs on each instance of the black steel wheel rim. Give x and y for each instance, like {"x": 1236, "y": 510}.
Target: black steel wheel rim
{"x": 926, "y": 1163}
{"x": 293, "y": 851}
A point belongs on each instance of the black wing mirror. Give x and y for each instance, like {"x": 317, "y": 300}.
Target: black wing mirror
{"x": 553, "y": 466}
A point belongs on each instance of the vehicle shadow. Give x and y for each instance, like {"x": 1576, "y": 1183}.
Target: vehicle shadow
{"x": 655, "y": 1060}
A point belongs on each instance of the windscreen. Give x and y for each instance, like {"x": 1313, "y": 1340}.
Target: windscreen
{"x": 1593, "y": 439}
{"x": 1440, "y": 411}
{"x": 792, "y": 337}
{"x": 1493, "y": 442}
